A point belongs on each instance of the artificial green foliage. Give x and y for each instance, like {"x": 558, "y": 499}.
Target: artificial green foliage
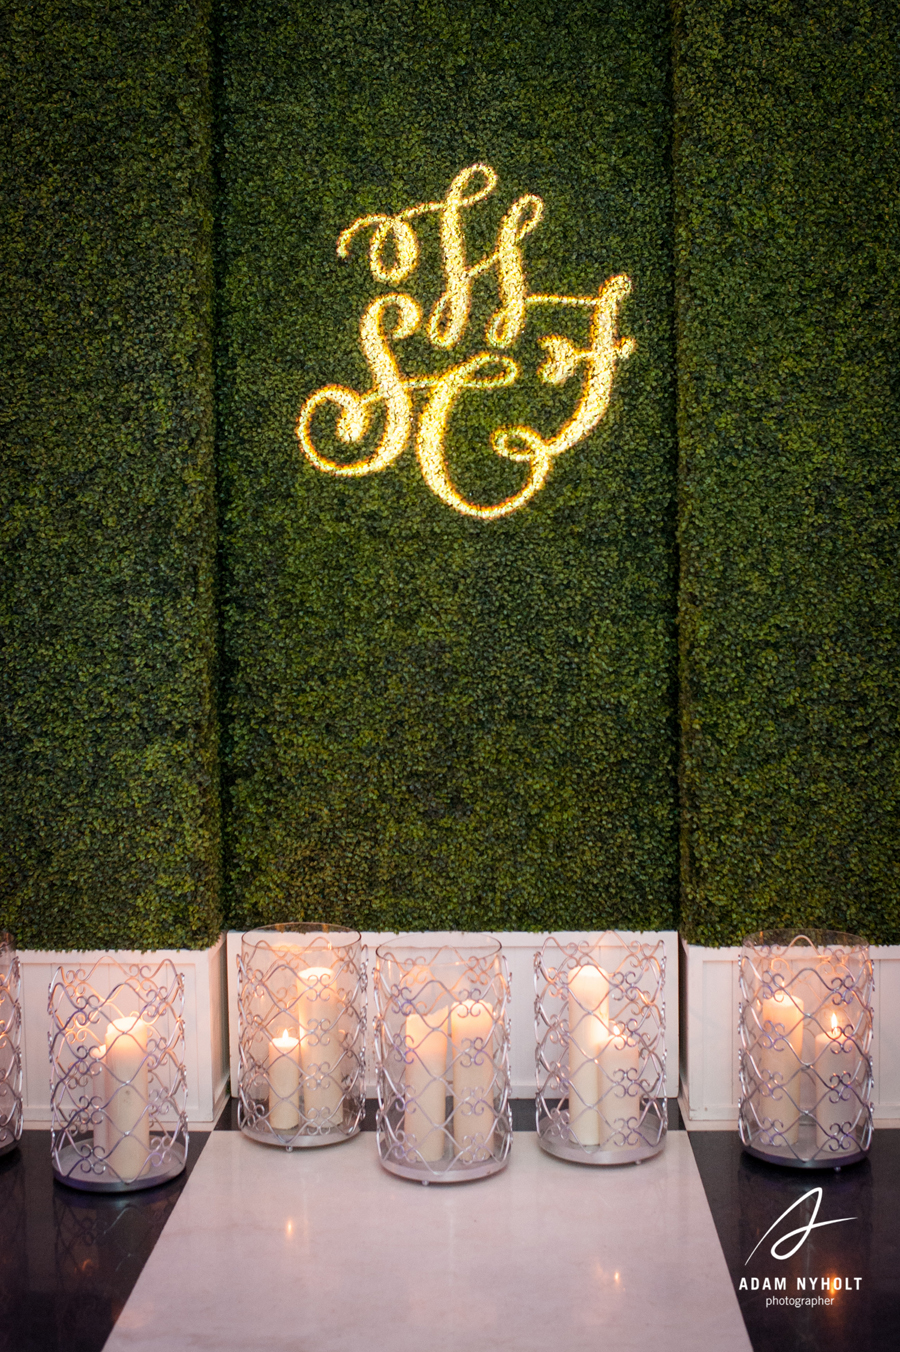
{"x": 786, "y": 164}
{"x": 431, "y": 720}
{"x": 108, "y": 775}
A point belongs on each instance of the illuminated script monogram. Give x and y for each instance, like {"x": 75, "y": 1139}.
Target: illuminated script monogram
{"x": 389, "y": 319}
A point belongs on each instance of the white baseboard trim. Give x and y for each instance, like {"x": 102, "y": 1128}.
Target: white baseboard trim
{"x": 205, "y": 1025}
{"x": 710, "y": 1090}
{"x": 519, "y": 948}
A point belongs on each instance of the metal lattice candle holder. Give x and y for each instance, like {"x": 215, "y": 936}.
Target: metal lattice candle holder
{"x": 805, "y": 1029}
{"x": 10, "y": 1045}
{"x": 302, "y": 1003}
{"x": 442, "y": 1060}
{"x": 118, "y": 1095}
{"x": 601, "y": 1062}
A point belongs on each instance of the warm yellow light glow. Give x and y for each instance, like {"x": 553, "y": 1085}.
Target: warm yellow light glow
{"x": 402, "y": 236}
{"x": 451, "y": 313}
{"x": 433, "y": 426}
{"x": 389, "y": 388}
{"x": 393, "y": 256}
{"x": 563, "y": 358}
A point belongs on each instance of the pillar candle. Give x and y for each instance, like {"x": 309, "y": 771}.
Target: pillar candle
{"x": 320, "y": 1008}
{"x": 471, "y": 1035}
{"x": 284, "y": 1083}
{"x": 835, "y": 1056}
{"x": 128, "y": 1084}
{"x": 588, "y": 1036}
{"x": 425, "y": 1085}
{"x": 780, "y": 1063}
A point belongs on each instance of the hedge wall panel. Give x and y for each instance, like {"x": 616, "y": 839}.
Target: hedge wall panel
{"x": 788, "y": 303}
{"x": 109, "y": 774}
{"x": 432, "y": 718}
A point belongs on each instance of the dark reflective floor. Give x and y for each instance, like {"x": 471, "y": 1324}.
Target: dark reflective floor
{"x": 69, "y": 1259}
{"x": 747, "y": 1197}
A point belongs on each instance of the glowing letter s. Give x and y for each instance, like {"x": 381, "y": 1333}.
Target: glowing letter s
{"x": 356, "y": 409}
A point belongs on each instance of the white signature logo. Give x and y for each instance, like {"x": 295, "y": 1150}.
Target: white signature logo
{"x": 803, "y": 1231}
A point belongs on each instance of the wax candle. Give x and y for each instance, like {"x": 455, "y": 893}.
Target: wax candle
{"x": 425, "y": 1084}
{"x": 128, "y": 1083}
{"x": 779, "y": 1061}
{"x": 588, "y": 1036}
{"x": 284, "y": 1082}
{"x": 320, "y": 1008}
{"x": 836, "y": 1062}
{"x": 471, "y": 1035}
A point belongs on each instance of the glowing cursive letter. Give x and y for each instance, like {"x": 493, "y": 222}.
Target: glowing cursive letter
{"x": 599, "y": 361}
{"x": 433, "y": 426}
{"x": 356, "y": 409}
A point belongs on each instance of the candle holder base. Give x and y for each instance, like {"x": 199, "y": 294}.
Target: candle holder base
{"x": 555, "y": 1138}
{"x": 7, "y": 1146}
{"x": 305, "y": 1140}
{"x": 425, "y": 1173}
{"x": 76, "y": 1168}
{"x": 823, "y": 1163}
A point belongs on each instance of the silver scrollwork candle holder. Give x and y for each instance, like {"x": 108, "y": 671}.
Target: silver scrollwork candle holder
{"x": 601, "y": 1062}
{"x": 302, "y": 1003}
{"x": 118, "y": 1095}
{"x": 805, "y": 1030}
{"x": 10, "y": 1045}
{"x": 442, "y": 1060}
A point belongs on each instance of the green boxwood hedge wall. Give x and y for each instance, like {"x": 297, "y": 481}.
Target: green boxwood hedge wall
{"x": 431, "y": 720}
{"x": 108, "y": 769}
{"x": 786, "y": 159}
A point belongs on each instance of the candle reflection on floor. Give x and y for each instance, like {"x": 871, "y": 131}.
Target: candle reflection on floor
{"x": 69, "y": 1259}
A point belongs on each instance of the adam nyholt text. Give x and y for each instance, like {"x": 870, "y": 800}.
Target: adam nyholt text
{"x": 822, "y": 1284}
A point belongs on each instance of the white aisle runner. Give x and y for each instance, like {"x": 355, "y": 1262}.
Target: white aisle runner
{"x": 322, "y": 1251}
